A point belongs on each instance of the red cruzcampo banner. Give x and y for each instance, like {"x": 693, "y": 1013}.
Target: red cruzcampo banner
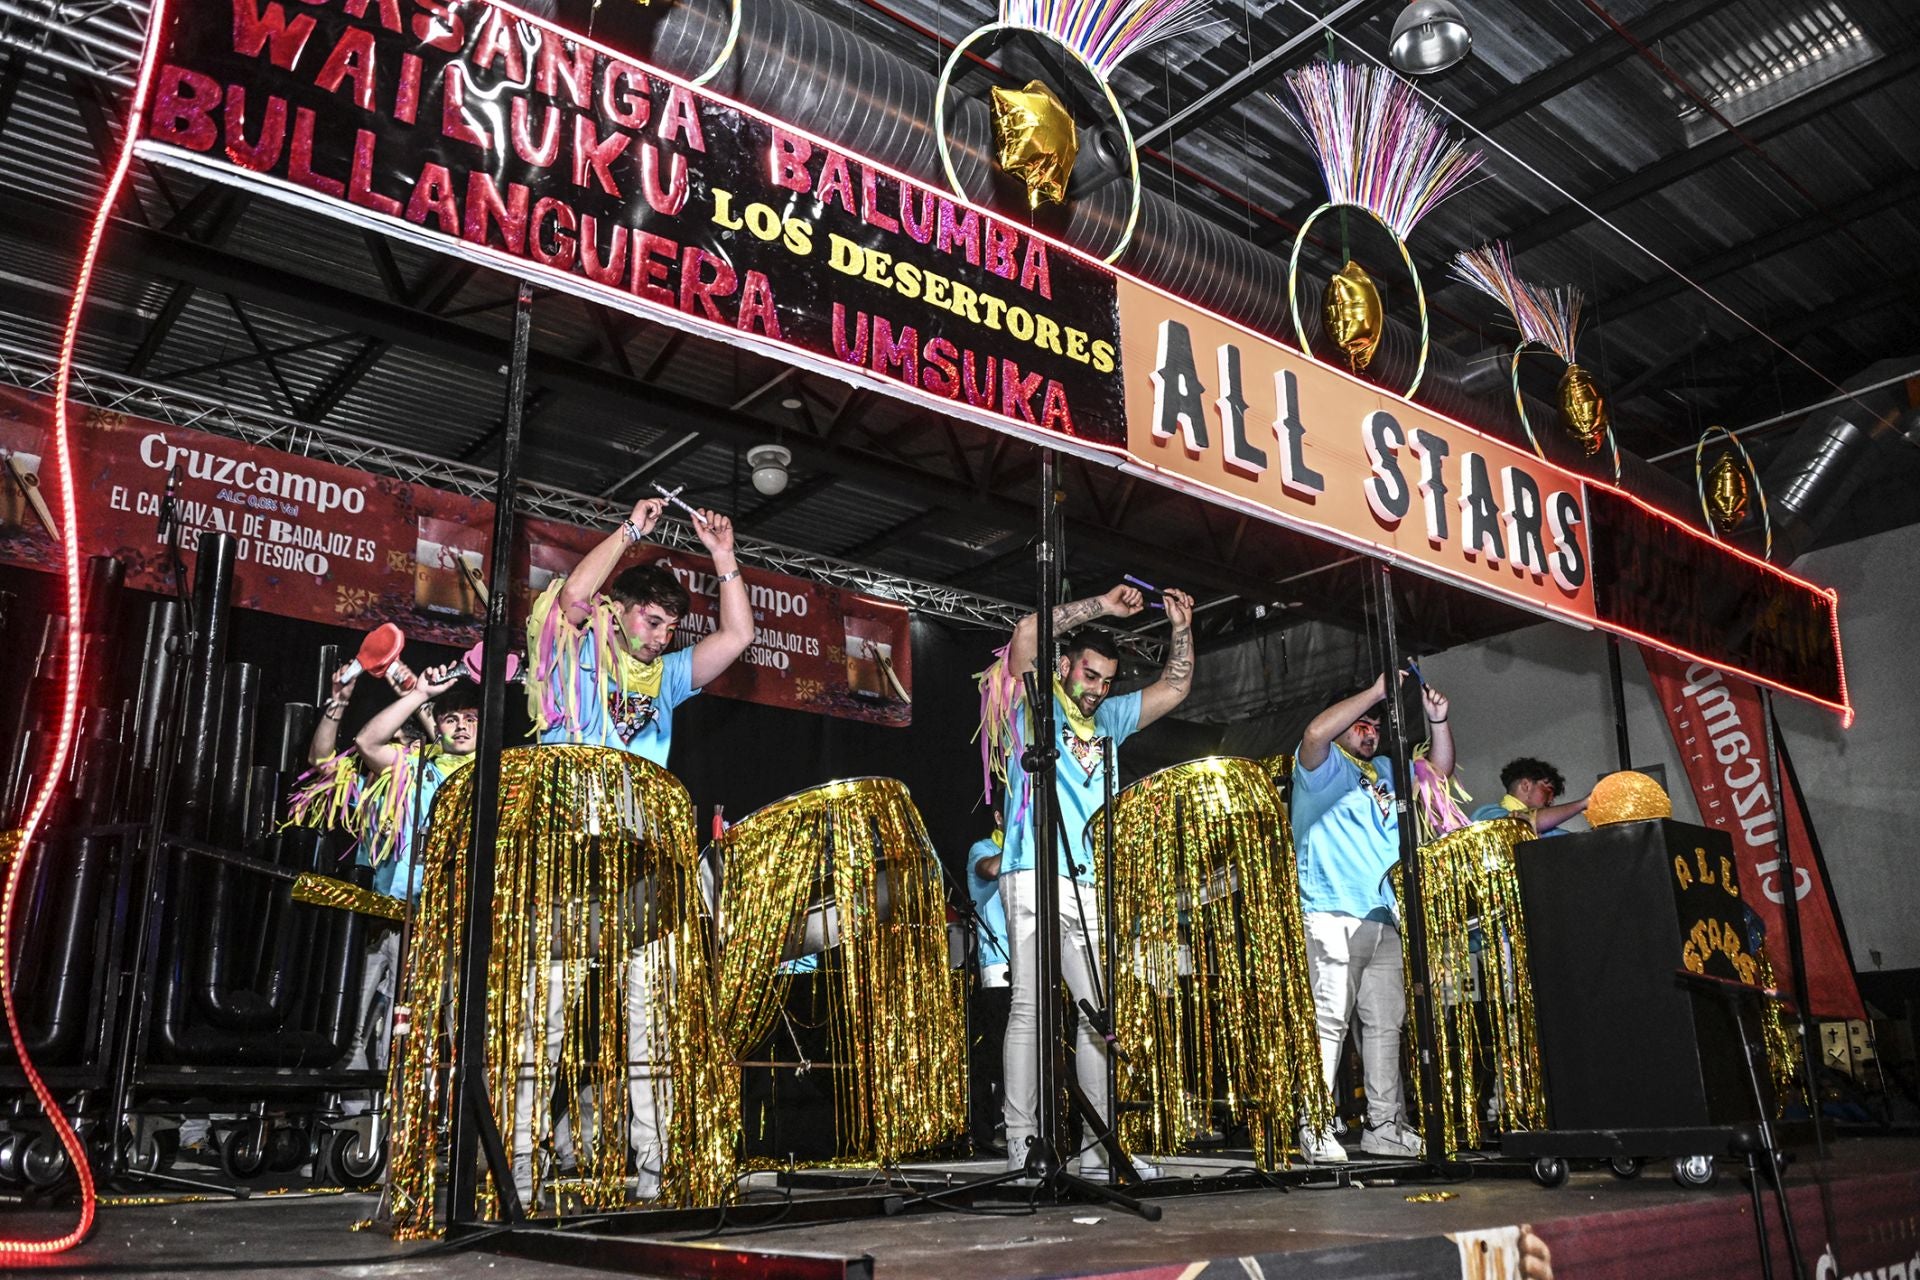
{"x": 331, "y": 544}
{"x": 1717, "y": 726}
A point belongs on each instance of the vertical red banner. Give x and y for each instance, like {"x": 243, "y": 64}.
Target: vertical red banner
{"x": 1717, "y": 726}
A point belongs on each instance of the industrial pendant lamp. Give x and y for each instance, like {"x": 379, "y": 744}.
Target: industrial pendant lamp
{"x": 1429, "y": 36}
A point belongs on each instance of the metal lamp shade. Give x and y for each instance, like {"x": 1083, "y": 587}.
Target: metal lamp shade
{"x": 1429, "y": 36}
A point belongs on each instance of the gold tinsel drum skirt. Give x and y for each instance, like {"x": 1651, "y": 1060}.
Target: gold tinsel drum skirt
{"x": 1482, "y": 988}
{"x": 596, "y": 854}
{"x": 1212, "y": 1003}
{"x": 847, "y": 865}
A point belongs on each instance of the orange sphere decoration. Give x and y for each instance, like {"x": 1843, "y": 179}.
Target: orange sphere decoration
{"x": 1627, "y": 797}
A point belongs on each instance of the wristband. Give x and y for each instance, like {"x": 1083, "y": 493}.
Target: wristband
{"x": 631, "y": 529}
{"x": 1441, "y": 720}
{"x": 726, "y": 577}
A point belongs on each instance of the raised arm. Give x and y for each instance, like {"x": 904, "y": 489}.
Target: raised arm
{"x": 715, "y": 652}
{"x": 1176, "y": 678}
{"x": 1331, "y": 723}
{"x": 1120, "y": 602}
{"x": 595, "y": 567}
{"x": 326, "y": 730}
{"x": 1440, "y": 754}
{"x": 376, "y": 738}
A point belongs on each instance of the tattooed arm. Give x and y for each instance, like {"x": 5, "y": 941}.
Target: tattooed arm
{"x": 1176, "y": 678}
{"x": 1121, "y": 602}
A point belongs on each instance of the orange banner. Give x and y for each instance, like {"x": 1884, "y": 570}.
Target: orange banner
{"x": 1218, "y": 408}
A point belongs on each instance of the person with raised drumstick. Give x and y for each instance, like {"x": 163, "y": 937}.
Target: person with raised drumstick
{"x": 602, "y": 672}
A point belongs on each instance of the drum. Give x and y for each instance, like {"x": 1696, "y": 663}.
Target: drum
{"x": 1482, "y": 989}
{"x": 1215, "y": 1006}
{"x": 849, "y": 866}
{"x": 591, "y": 839}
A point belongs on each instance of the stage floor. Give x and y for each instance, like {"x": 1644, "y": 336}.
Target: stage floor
{"x": 1595, "y": 1226}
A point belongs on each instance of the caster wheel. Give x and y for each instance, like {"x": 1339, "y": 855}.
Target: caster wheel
{"x": 243, "y": 1152}
{"x": 45, "y": 1162}
{"x": 1626, "y": 1166}
{"x": 288, "y": 1147}
{"x": 1550, "y": 1172}
{"x": 346, "y": 1161}
{"x": 13, "y": 1150}
{"x": 1696, "y": 1172}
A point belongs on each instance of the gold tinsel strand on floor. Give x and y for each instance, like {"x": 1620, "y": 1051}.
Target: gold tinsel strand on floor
{"x": 895, "y": 1025}
{"x": 1212, "y": 1000}
{"x": 1466, "y": 876}
{"x": 580, "y": 828}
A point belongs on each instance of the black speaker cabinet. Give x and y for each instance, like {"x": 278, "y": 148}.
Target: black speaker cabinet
{"x": 1611, "y": 914}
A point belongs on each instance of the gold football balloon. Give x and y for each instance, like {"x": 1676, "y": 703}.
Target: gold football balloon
{"x": 1035, "y": 140}
{"x": 1727, "y": 492}
{"x": 1353, "y": 314}
{"x": 1584, "y": 408}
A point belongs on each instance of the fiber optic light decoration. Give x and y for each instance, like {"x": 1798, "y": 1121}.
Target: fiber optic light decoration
{"x": 1096, "y": 36}
{"x": 1548, "y": 318}
{"x": 53, "y": 776}
{"x": 1383, "y": 150}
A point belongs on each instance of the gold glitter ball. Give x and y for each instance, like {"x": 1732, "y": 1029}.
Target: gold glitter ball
{"x": 1627, "y": 797}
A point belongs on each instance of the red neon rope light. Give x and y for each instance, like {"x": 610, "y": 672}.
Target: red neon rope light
{"x": 70, "y": 692}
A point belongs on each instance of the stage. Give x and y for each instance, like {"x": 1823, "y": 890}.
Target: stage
{"x": 1597, "y": 1225}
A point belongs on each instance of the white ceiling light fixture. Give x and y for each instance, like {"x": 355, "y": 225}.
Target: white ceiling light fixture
{"x": 769, "y": 463}
{"x": 1429, "y": 36}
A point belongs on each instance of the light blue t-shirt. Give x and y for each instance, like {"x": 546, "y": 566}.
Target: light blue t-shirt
{"x": 1488, "y": 812}
{"x": 399, "y": 870}
{"x": 1079, "y": 783}
{"x": 1346, "y": 837}
{"x": 992, "y": 927}
{"x": 630, "y": 722}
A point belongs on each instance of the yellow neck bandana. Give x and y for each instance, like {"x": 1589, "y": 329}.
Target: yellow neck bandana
{"x": 1081, "y": 724}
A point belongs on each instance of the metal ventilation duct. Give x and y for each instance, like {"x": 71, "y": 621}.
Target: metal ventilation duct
{"x": 1823, "y": 466}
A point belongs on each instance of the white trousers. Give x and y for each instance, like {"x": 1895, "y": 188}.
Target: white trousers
{"x": 530, "y": 1105}
{"x": 1078, "y": 902}
{"x": 1354, "y": 967}
{"x": 373, "y": 1028}
{"x": 649, "y": 1060}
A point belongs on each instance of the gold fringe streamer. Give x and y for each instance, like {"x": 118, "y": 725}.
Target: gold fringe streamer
{"x": 1782, "y": 1037}
{"x": 581, "y": 828}
{"x": 1464, "y": 875}
{"x": 325, "y": 891}
{"x": 1212, "y": 1000}
{"x": 895, "y": 1024}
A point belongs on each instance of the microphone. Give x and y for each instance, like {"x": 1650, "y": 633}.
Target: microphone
{"x": 166, "y": 500}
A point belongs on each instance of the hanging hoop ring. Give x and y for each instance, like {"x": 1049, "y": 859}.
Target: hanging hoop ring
{"x": 1520, "y": 403}
{"x": 1126, "y": 130}
{"x": 1753, "y": 474}
{"x": 1419, "y": 291}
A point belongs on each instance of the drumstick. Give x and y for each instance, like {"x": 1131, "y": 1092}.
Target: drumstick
{"x": 673, "y": 496}
{"x": 1144, "y": 585}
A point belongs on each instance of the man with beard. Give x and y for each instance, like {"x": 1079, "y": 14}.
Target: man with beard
{"x": 1088, "y": 721}
{"x": 1346, "y": 831}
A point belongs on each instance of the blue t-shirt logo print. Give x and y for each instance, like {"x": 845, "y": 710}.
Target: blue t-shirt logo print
{"x": 630, "y": 713}
{"x": 1086, "y": 752}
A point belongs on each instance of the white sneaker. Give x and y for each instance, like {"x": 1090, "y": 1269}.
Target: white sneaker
{"x": 1093, "y": 1167}
{"x": 1319, "y": 1146}
{"x": 1017, "y": 1154}
{"x": 1392, "y": 1139}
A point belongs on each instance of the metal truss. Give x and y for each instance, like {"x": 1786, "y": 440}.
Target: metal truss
{"x": 118, "y": 393}
{"x": 98, "y": 39}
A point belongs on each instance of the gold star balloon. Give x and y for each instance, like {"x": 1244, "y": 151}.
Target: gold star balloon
{"x": 1584, "y": 407}
{"x": 1036, "y": 139}
{"x": 1352, "y": 314}
{"x": 1727, "y": 492}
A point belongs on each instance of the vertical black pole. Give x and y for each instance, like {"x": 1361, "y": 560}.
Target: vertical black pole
{"x": 1043, "y": 1158}
{"x": 1414, "y": 926}
{"x": 1790, "y": 913}
{"x": 1618, "y": 687}
{"x": 468, "y": 1089}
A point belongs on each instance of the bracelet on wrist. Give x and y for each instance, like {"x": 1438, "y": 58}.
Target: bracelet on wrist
{"x": 1441, "y": 720}
{"x": 726, "y": 577}
{"x": 631, "y": 529}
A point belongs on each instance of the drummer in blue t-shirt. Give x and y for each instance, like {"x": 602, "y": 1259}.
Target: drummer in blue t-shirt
{"x": 1087, "y": 722}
